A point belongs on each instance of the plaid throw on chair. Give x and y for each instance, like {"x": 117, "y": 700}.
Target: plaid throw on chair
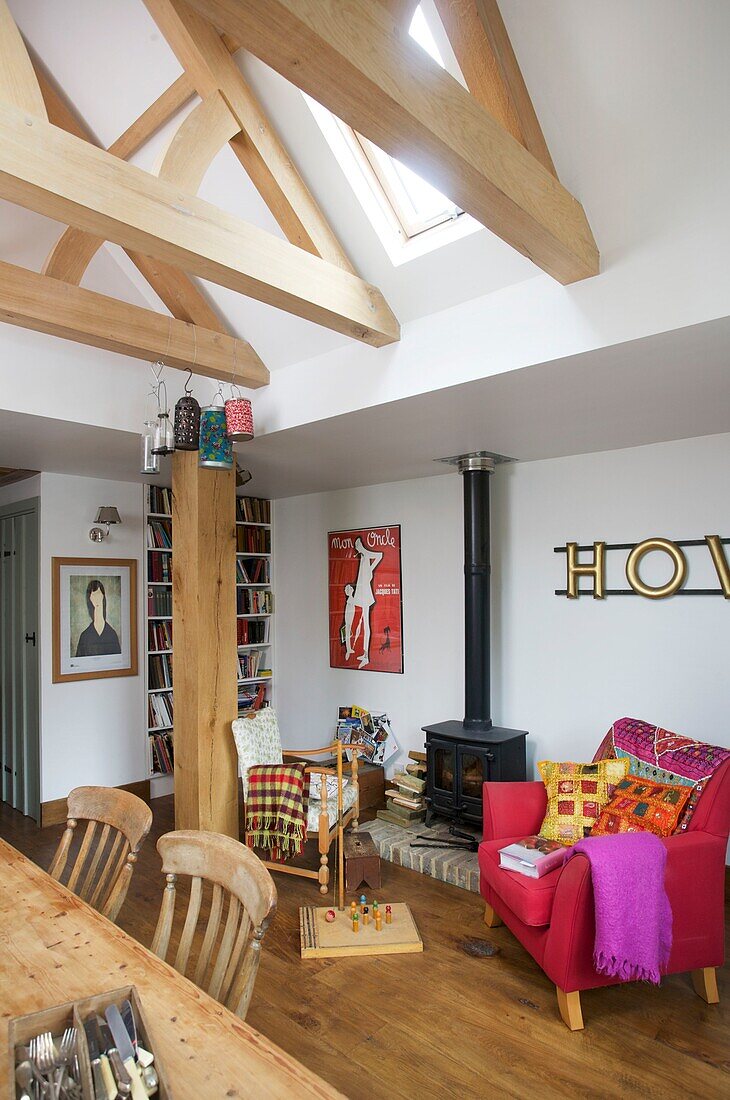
{"x": 276, "y": 809}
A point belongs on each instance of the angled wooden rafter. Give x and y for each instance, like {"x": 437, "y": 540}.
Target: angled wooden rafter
{"x": 211, "y": 68}
{"x": 61, "y": 309}
{"x": 18, "y": 84}
{"x": 74, "y": 250}
{"x": 48, "y": 170}
{"x": 388, "y": 89}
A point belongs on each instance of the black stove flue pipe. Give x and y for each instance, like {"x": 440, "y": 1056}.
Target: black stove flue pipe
{"x": 476, "y": 471}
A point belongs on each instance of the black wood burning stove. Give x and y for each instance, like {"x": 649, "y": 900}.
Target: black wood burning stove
{"x": 463, "y": 755}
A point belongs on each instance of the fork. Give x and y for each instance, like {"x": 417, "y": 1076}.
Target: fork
{"x": 43, "y": 1053}
{"x": 65, "y": 1053}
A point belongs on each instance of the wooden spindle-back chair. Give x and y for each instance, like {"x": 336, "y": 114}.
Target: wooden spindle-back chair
{"x": 224, "y": 965}
{"x": 99, "y": 868}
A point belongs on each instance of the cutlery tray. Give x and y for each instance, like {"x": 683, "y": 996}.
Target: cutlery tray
{"x": 73, "y": 1014}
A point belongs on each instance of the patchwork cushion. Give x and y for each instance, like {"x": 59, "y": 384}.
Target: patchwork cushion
{"x": 661, "y": 756}
{"x": 576, "y": 795}
{"x": 530, "y": 899}
{"x": 349, "y": 794}
{"x": 641, "y": 806}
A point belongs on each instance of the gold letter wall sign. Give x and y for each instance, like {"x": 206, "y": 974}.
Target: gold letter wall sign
{"x": 636, "y": 553}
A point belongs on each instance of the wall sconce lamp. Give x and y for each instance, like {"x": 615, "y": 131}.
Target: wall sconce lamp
{"x": 107, "y": 516}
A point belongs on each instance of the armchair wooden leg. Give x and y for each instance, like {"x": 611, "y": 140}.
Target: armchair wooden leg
{"x": 705, "y": 983}
{"x": 570, "y": 1010}
{"x": 324, "y": 874}
{"x": 490, "y": 918}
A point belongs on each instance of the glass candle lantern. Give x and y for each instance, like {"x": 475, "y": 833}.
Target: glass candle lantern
{"x": 164, "y": 436}
{"x": 150, "y": 462}
{"x": 215, "y": 448}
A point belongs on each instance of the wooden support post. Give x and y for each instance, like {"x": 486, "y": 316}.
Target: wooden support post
{"x": 204, "y": 629}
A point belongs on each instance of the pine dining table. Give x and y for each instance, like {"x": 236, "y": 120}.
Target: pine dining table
{"x": 55, "y": 948}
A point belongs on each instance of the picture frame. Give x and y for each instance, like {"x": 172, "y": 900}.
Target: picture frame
{"x": 94, "y": 618}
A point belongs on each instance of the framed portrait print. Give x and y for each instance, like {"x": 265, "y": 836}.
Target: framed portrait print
{"x": 94, "y": 618}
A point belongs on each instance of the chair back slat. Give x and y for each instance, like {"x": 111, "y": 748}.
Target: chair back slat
{"x": 226, "y": 947}
{"x": 238, "y": 880}
{"x": 191, "y": 923}
{"x": 81, "y": 857}
{"x": 117, "y": 823}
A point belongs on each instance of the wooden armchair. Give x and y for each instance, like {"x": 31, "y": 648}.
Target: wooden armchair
{"x": 100, "y": 866}
{"x": 331, "y": 813}
{"x": 225, "y": 965}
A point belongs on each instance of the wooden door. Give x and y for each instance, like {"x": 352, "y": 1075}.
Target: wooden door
{"x": 19, "y": 686}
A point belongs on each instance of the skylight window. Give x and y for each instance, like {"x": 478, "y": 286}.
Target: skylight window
{"x": 402, "y": 206}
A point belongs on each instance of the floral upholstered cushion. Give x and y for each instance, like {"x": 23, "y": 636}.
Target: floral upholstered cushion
{"x": 576, "y": 795}
{"x": 349, "y": 794}
{"x": 661, "y": 756}
{"x": 642, "y": 806}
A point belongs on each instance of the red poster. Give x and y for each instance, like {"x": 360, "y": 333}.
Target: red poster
{"x": 366, "y": 613}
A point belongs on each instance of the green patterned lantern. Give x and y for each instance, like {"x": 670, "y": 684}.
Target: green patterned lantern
{"x": 215, "y": 448}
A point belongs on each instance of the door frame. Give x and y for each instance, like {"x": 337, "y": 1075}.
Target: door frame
{"x": 32, "y": 506}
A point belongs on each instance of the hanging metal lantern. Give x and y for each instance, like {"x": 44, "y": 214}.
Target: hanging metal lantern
{"x": 150, "y": 462}
{"x": 187, "y": 421}
{"x": 216, "y": 449}
{"x": 239, "y": 417}
{"x": 164, "y": 436}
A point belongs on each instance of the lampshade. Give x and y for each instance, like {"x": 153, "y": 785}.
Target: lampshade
{"x": 239, "y": 418}
{"x": 216, "y": 449}
{"x": 107, "y": 514}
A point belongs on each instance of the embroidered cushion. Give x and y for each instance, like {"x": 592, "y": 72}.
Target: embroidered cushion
{"x": 315, "y": 788}
{"x": 349, "y": 794}
{"x": 576, "y": 795}
{"x": 641, "y": 806}
{"x": 661, "y": 756}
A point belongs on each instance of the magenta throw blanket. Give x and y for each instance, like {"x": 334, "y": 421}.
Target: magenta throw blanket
{"x": 633, "y": 915}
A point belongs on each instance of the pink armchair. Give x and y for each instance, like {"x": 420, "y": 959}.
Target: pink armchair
{"x": 553, "y": 917}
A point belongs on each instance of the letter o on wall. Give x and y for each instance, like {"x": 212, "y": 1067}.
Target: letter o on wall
{"x": 637, "y": 555}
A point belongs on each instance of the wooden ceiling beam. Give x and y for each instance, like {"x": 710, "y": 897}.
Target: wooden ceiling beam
{"x": 38, "y": 302}
{"x": 18, "y": 83}
{"x": 73, "y": 251}
{"x": 388, "y": 89}
{"x": 48, "y": 170}
{"x": 211, "y": 68}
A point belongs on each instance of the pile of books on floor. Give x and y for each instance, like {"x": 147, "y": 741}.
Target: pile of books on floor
{"x": 405, "y": 796}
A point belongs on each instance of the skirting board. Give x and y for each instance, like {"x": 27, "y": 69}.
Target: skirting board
{"x": 56, "y": 812}
{"x": 321, "y": 940}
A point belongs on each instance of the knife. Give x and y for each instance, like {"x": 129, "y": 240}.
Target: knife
{"x": 101, "y": 1091}
{"x": 109, "y": 1046}
{"x": 144, "y": 1059}
{"x": 126, "y": 1051}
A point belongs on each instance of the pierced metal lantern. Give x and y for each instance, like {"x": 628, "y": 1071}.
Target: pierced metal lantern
{"x": 187, "y": 422}
{"x": 239, "y": 418}
{"x": 216, "y": 449}
{"x": 150, "y": 462}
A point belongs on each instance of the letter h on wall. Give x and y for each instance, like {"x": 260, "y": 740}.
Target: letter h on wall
{"x": 595, "y": 569}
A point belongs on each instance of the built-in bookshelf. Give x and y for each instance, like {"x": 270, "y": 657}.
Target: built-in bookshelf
{"x": 254, "y": 620}
{"x": 254, "y": 602}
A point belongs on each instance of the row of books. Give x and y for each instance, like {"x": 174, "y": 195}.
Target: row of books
{"x": 251, "y": 697}
{"x": 252, "y": 664}
{"x": 254, "y": 601}
{"x": 253, "y": 510}
{"x": 159, "y": 567}
{"x": 163, "y": 757}
{"x": 159, "y": 636}
{"x": 160, "y": 500}
{"x": 159, "y": 534}
{"x": 249, "y": 570}
{"x": 159, "y": 601}
{"x": 253, "y": 540}
{"x": 160, "y": 670}
{"x": 405, "y": 796}
{"x": 159, "y": 711}
{"x": 251, "y": 631}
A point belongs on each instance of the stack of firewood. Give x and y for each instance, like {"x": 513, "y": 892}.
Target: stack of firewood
{"x": 405, "y": 802}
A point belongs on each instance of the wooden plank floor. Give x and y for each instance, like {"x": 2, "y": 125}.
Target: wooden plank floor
{"x": 444, "y": 1024}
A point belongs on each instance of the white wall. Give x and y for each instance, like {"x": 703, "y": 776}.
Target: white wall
{"x": 562, "y": 669}
{"x": 91, "y": 730}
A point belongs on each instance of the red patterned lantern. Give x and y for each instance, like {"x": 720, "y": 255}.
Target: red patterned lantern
{"x": 239, "y": 418}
